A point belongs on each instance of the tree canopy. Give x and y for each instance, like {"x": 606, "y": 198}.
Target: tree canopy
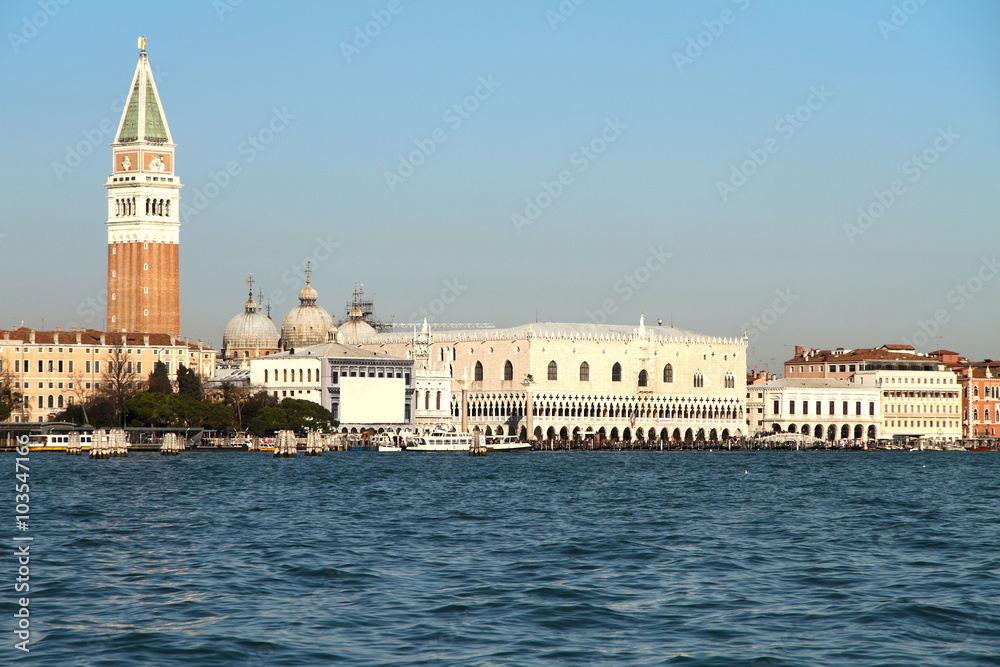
{"x": 159, "y": 379}
{"x": 291, "y": 413}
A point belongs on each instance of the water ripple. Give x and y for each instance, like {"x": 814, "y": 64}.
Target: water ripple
{"x": 675, "y": 558}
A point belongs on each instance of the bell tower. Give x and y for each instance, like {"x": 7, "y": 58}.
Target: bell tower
{"x": 143, "y": 215}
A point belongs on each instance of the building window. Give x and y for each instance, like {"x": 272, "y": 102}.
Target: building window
{"x": 777, "y": 407}
{"x": 265, "y": 375}
{"x": 833, "y": 406}
{"x": 668, "y": 373}
{"x": 41, "y": 366}
{"x": 791, "y": 407}
{"x": 553, "y": 371}
{"x": 508, "y": 370}
{"x": 805, "y": 407}
{"x": 585, "y": 372}
{"x": 871, "y": 407}
{"x": 819, "y": 407}
{"x": 334, "y": 376}
{"x": 478, "y": 372}
{"x": 643, "y": 378}
{"x": 857, "y": 408}
{"x": 616, "y": 372}
{"x": 145, "y": 267}
{"x": 699, "y": 380}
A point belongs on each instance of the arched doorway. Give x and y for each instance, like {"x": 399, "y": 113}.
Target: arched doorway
{"x": 818, "y": 432}
{"x": 859, "y": 432}
{"x": 871, "y": 432}
{"x": 831, "y": 432}
{"x": 713, "y": 435}
{"x": 845, "y": 432}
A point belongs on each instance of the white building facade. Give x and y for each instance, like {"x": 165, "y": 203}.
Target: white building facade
{"x": 917, "y": 404}
{"x": 361, "y": 388}
{"x": 589, "y": 381}
{"x": 826, "y": 409}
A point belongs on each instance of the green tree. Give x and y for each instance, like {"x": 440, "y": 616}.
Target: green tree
{"x": 185, "y": 410}
{"x": 188, "y": 383}
{"x": 159, "y": 379}
{"x": 148, "y": 408}
{"x": 301, "y": 414}
{"x": 254, "y": 404}
{"x": 218, "y": 416}
{"x": 268, "y": 420}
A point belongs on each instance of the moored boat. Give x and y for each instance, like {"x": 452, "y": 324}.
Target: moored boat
{"x": 506, "y": 443}
{"x": 440, "y": 441}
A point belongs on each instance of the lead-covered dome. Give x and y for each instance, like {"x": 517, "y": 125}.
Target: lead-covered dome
{"x": 307, "y": 324}
{"x": 250, "y": 330}
{"x": 355, "y": 327}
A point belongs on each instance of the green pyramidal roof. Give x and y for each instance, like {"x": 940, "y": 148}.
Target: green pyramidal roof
{"x": 143, "y": 118}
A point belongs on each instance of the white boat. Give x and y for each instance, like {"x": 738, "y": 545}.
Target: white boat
{"x": 506, "y": 443}
{"x": 52, "y": 442}
{"x": 384, "y": 443}
{"x": 440, "y": 441}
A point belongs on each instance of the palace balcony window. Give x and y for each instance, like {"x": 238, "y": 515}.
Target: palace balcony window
{"x": 508, "y": 371}
{"x": 585, "y": 372}
{"x": 477, "y": 373}
{"x": 616, "y": 372}
{"x": 553, "y": 371}
{"x": 643, "y": 378}
{"x": 668, "y": 373}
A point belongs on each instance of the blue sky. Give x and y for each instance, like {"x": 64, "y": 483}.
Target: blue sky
{"x": 703, "y": 163}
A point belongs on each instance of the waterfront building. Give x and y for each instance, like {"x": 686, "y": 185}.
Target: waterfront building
{"x": 981, "y": 393}
{"x": 362, "y": 388}
{"x": 250, "y": 333}
{"x": 54, "y": 369}
{"x": 921, "y": 398}
{"x": 980, "y": 382}
{"x": 827, "y": 409}
{"x": 588, "y": 381}
{"x": 431, "y": 384}
{"x": 143, "y": 215}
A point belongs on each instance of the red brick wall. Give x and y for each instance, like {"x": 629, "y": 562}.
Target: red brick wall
{"x": 127, "y": 300}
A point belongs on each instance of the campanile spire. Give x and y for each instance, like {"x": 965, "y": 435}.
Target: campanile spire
{"x": 143, "y": 214}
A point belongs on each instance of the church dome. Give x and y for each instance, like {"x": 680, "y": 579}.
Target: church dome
{"x": 307, "y": 324}
{"x": 250, "y": 330}
{"x": 308, "y": 295}
{"x": 354, "y": 329}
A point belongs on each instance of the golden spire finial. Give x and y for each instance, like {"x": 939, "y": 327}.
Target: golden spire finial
{"x": 142, "y": 43}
